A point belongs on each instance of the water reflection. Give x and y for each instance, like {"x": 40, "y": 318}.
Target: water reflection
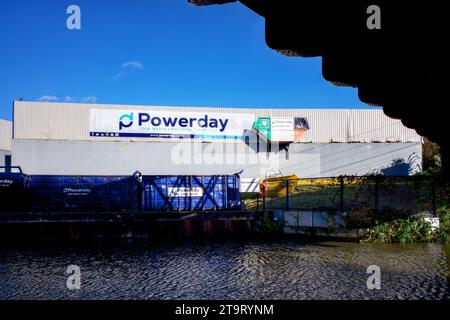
{"x": 227, "y": 270}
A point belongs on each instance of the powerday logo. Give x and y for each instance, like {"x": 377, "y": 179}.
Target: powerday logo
{"x": 126, "y": 121}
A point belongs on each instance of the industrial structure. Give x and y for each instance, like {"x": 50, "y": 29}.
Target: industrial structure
{"x": 99, "y": 139}
{"x": 5, "y": 142}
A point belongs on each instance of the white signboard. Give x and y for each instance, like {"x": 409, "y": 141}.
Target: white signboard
{"x": 282, "y": 129}
{"x": 174, "y": 192}
{"x": 168, "y": 124}
{"x": 282, "y": 123}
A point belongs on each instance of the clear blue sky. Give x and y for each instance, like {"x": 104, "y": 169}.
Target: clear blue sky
{"x": 152, "y": 52}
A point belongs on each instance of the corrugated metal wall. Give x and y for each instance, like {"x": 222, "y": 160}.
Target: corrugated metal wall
{"x": 70, "y": 121}
{"x": 5, "y": 135}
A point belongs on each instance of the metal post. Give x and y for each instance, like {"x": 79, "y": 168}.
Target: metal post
{"x": 237, "y": 186}
{"x": 166, "y": 199}
{"x": 8, "y": 163}
{"x": 225, "y": 193}
{"x": 287, "y": 195}
{"x": 178, "y": 198}
{"x": 342, "y": 192}
{"x": 190, "y": 188}
{"x": 214, "y": 192}
{"x": 264, "y": 202}
{"x": 257, "y": 202}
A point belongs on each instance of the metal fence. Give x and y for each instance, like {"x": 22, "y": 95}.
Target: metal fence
{"x": 411, "y": 195}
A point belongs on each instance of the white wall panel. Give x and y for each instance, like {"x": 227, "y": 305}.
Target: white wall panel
{"x": 5, "y": 135}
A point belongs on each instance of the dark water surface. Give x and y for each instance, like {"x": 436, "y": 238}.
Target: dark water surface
{"x": 226, "y": 270}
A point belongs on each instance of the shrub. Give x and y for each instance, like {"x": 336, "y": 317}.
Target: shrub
{"x": 412, "y": 230}
{"x": 363, "y": 218}
{"x": 367, "y": 218}
{"x": 268, "y": 226}
{"x": 401, "y": 231}
{"x": 442, "y": 234}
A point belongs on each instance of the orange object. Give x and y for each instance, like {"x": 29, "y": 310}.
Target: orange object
{"x": 263, "y": 188}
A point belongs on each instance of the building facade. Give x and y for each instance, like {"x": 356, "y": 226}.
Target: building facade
{"x": 97, "y": 139}
{"x": 5, "y": 142}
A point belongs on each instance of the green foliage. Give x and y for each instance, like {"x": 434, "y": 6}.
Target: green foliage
{"x": 362, "y": 218}
{"x": 412, "y": 230}
{"x": 268, "y": 226}
{"x": 442, "y": 234}
{"x": 443, "y": 194}
{"x": 368, "y": 217}
{"x": 431, "y": 157}
{"x": 249, "y": 195}
{"x": 401, "y": 231}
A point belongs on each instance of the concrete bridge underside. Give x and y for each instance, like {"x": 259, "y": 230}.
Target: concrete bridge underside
{"x": 399, "y": 67}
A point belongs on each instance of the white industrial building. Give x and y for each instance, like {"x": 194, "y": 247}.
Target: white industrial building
{"x": 99, "y": 139}
{"x": 5, "y": 142}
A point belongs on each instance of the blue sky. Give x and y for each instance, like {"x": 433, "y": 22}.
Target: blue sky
{"x": 152, "y": 52}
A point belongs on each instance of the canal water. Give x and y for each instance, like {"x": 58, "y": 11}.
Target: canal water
{"x": 226, "y": 270}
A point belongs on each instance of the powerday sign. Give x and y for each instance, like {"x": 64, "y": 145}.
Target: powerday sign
{"x": 176, "y": 192}
{"x": 168, "y": 124}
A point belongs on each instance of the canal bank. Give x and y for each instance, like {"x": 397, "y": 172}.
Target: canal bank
{"x": 136, "y": 206}
{"x": 90, "y": 226}
{"x": 197, "y": 225}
